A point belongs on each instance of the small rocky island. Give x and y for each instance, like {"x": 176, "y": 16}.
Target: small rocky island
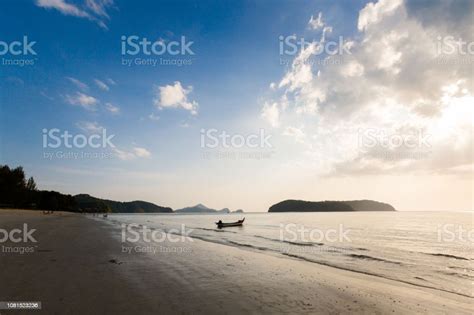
{"x": 200, "y": 208}
{"x": 330, "y": 206}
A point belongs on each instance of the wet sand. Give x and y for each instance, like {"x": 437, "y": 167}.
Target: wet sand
{"x": 80, "y": 266}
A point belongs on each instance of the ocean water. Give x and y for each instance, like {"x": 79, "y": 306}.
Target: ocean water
{"x": 429, "y": 249}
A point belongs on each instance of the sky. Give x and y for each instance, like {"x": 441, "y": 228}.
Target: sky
{"x": 241, "y": 104}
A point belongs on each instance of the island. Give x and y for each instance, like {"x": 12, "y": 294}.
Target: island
{"x": 87, "y": 203}
{"x": 330, "y": 206}
{"x": 200, "y": 208}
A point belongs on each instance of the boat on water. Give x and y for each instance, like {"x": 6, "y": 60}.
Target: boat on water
{"x": 221, "y": 224}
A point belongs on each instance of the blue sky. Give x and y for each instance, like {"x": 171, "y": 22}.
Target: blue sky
{"x": 158, "y": 152}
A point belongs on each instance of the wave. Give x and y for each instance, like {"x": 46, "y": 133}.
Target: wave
{"x": 366, "y": 257}
{"x": 215, "y": 230}
{"x": 288, "y": 242}
{"x": 447, "y": 256}
{"x": 298, "y": 257}
{"x": 420, "y": 278}
{"x": 248, "y": 245}
{"x": 461, "y": 268}
{"x": 456, "y": 274}
{"x": 302, "y": 243}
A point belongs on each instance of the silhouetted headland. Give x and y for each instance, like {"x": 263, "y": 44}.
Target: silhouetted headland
{"x": 330, "y": 206}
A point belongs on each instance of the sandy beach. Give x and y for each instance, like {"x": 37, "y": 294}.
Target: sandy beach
{"x": 79, "y": 266}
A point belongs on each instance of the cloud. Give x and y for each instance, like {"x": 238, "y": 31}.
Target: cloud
{"x": 136, "y": 152}
{"x": 112, "y": 108}
{"x": 454, "y": 14}
{"x": 46, "y": 95}
{"x": 80, "y": 99}
{"x": 373, "y": 13}
{"x": 316, "y": 23}
{"x": 99, "y": 7}
{"x": 141, "y": 152}
{"x": 111, "y": 82}
{"x": 94, "y": 10}
{"x": 297, "y": 133}
{"x": 63, "y": 7}
{"x": 101, "y": 85}
{"x": 271, "y": 114}
{"x": 89, "y": 127}
{"x": 15, "y": 81}
{"x": 393, "y": 80}
{"x": 174, "y": 96}
{"x": 154, "y": 117}
{"x": 352, "y": 69}
{"x": 79, "y": 84}
{"x": 301, "y": 71}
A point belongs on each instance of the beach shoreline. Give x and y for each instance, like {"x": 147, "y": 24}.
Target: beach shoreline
{"x": 79, "y": 266}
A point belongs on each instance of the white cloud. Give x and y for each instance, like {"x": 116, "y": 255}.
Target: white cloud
{"x": 154, "y": 117}
{"x": 79, "y": 84}
{"x": 297, "y": 133}
{"x": 94, "y": 10}
{"x": 373, "y": 13}
{"x": 46, "y": 95}
{"x": 300, "y": 69}
{"x": 174, "y": 96}
{"x": 80, "y": 99}
{"x": 393, "y": 81}
{"x": 316, "y": 23}
{"x": 111, "y": 82}
{"x": 99, "y": 7}
{"x": 136, "y": 152}
{"x": 271, "y": 113}
{"x": 352, "y": 69}
{"x": 112, "y": 108}
{"x": 123, "y": 155}
{"x": 101, "y": 85}
{"x": 89, "y": 127}
{"x": 141, "y": 152}
{"x": 63, "y": 7}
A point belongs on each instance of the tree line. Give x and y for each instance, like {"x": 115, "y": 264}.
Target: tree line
{"x": 16, "y": 191}
{"x": 19, "y": 192}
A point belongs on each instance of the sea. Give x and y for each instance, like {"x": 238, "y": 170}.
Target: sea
{"x": 426, "y": 249}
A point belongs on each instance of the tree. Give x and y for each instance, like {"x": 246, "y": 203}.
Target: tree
{"x": 31, "y": 185}
{"x": 12, "y": 186}
{"x": 17, "y": 192}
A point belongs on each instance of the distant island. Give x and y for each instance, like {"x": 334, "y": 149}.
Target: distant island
{"x": 330, "y": 206}
{"x": 18, "y": 191}
{"x": 200, "y": 208}
{"x": 89, "y": 203}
